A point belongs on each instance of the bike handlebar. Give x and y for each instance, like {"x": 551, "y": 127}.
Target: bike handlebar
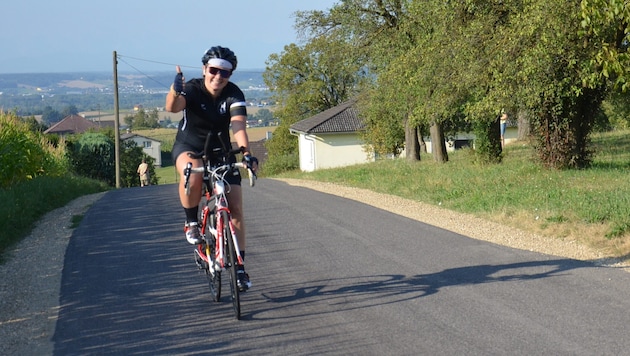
{"x": 223, "y": 154}
{"x": 213, "y": 171}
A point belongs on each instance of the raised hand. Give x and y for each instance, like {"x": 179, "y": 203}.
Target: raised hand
{"x": 178, "y": 82}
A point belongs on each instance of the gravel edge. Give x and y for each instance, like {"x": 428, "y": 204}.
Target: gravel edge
{"x": 465, "y": 224}
{"x": 31, "y": 282}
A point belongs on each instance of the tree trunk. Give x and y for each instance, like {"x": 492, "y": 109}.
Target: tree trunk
{"x": 523, "y": 125}
{"x": 423, "y": 144}
{"x": 412, "y": 146}
{"x": 438, "y": 143}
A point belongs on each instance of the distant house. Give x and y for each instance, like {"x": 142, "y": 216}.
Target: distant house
{"x": 73, "y": 124}
{"x": 258, "y": 150}
{"x": 331, "y": 139}
{"x": 150, "y": 147}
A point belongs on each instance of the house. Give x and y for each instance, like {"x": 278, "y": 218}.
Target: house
{"x": 73, "y": 124}
{"x": 331, "y": 139}
{"x": 150, "y": 147}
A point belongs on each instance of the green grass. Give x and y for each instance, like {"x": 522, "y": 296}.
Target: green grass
{"x": 25, "y": 203}
{"x": 166, "y": 175}
{"x": 591, "y": 205}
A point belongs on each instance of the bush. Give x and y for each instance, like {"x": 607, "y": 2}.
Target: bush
{"x": 488, "y": 142}
{"x": 26, "y": 154}
{"x": 93, "y": 156}
{"x": 281, "y": 163}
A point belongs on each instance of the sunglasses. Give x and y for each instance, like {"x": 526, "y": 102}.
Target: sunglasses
{"x": 223, "y": 72}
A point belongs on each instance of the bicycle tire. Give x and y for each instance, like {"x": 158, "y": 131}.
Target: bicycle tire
{"x": 214, "y": 277}
{"x": 231, "y": 255}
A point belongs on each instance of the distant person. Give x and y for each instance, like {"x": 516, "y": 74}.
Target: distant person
{"x": 503, "y": 124}
{"x": 143, "y": 172}
{"x": 210, "y": 103}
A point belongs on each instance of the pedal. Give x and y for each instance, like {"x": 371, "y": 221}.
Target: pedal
{"x": 200, "y": 262}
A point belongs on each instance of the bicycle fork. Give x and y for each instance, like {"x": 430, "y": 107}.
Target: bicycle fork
{"x": 220, "y": 262}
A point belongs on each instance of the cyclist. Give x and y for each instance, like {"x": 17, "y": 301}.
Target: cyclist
{"x": 210, "y": 103}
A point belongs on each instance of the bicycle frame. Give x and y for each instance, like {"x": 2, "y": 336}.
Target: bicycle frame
{"x": 216, "y": 189}
{"x": 219, "y": 250}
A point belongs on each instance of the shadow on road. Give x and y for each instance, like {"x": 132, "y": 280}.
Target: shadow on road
{"x": 366, "y": 291}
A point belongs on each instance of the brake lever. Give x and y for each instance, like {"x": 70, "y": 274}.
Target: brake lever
{"x": 252, "y": 177}
{"x": 187, "y": 175}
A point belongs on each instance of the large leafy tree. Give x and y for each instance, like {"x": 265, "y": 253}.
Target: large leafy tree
{"x": 305, "y": 81}
{"x": 451, "y": 66}
{"x": 549, "y": 81}
{"x": 375, "y": 35}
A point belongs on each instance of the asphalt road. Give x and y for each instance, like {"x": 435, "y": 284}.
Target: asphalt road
{"x": 331, "y": 277}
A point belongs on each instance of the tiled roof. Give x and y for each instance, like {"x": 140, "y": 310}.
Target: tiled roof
{"x": 341, "y": 118}
{"x": 72, "y": 124}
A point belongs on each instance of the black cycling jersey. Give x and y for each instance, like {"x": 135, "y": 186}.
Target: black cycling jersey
{"x": 203, "y": 113}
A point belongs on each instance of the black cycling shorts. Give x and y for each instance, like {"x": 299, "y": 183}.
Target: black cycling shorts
{"x": 178, "y": 148}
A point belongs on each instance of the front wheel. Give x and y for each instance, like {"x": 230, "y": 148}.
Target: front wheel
{"x": 214, "y": 276}
{"x": 231, "y": 255}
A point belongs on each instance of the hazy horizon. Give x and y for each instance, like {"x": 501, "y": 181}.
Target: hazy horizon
{"x": 81, "y": 36}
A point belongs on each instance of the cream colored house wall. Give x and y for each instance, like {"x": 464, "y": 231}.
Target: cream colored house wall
{"x": 331, "y": 150}
{"x": 153, "y": 151}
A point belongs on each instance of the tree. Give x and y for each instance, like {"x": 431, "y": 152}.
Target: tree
{"x": 33, "y": 124}
{"x": 557, "y": 83}
{"x": 306, "y": 80}
{"x": 264, "y": 117}
{"x": 454, "y": 65}
{"x": 50, "y": 116}
{"x": 92, "y": 156}
{"x": 69, "y": 110}
{"x": 130, "y": 158}
{"x": 604, "y": 30}
{"x": 377, "y": 42}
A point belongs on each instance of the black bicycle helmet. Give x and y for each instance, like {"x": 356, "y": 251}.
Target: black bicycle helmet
{"x": 220, "y": 52}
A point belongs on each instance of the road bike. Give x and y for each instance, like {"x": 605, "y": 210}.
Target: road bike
{"x": 219, "y": 250}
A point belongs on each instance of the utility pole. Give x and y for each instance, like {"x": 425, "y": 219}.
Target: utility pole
{"x": 116, "y": 123}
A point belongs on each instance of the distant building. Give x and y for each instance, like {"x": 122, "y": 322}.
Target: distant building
{"x": 75, "y": 124}
{"x": 150, "y": 147}
{"x": 331, "y": 139}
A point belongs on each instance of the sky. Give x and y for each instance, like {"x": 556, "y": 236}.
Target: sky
{"x": 42, "y": 36}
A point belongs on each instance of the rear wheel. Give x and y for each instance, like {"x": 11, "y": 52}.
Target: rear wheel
{"x": 231, "y": 255}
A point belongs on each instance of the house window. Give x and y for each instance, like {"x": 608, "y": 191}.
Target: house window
{"x": 146, "y": 144}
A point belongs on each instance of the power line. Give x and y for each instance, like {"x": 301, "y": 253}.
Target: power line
{"x": 174, "y": 64}
{"x": 158, "y": 62}
{"x": 144, "y": 74}
{"x": 120, "y": 57}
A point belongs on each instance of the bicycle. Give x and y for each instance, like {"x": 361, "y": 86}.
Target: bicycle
{"x": 219, "y": 250}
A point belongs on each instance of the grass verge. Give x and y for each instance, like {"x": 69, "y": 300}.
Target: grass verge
{"x": 590, "y": 206}
{"x": 25, "y": 203}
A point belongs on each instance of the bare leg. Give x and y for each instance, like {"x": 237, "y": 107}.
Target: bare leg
{"x": 195, "y": 182}
{"x": 235, "y": 201}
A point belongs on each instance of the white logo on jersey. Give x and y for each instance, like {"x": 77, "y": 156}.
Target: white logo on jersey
{"x": 222, "y": 109}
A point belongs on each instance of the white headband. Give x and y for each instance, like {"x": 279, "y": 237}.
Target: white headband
{"x": 219, "y": 62}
